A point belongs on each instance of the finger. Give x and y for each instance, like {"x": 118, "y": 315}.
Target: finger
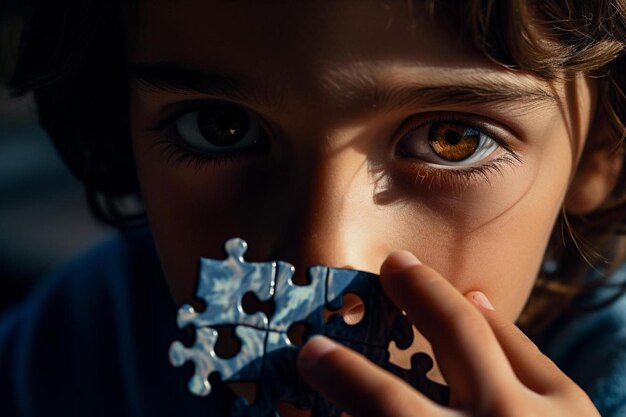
{"x": 532, "y": 367}
{"x": 466, "y": 349}
{"x": 356, "y": 385}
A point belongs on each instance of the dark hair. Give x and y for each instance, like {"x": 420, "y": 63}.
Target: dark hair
{"x": 72, "y": 56}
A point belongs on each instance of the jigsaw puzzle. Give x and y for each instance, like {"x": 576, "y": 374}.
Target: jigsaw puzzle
{"x": 266, "y": 354}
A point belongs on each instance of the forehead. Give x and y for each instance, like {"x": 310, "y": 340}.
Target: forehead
{"x": 349, "y": 54}
{"x": 307, "y": 36}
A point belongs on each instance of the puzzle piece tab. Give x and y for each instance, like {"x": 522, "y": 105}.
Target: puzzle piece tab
{"x": 245, "y": 366}
{"x": 382, "y": 322}
{"x": 222, "y": 285}
{"x": 299, "y": 303}
{"x": 421, "y": 363}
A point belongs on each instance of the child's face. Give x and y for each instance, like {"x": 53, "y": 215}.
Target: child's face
{"x": 363, "y": 128}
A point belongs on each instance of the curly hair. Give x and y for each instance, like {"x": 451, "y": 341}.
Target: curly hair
{"x": 72, "y": 56}
{"x": 557, "y": 40}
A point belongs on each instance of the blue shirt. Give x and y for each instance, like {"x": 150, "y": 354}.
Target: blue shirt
{"x": 591, "y": 348}
{"x": 94, "y": 340}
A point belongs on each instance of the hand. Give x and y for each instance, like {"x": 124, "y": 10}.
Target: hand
{"x": 491, "y": 367}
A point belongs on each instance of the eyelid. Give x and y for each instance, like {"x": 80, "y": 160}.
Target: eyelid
{"x": 172, "y": 111}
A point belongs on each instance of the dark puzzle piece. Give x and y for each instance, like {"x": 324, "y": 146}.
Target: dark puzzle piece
{"x": 382, "y": 322}
{"x": 266, "y": 354}
{"x": 421, "y": 363}
{"x": 279, "y": 364}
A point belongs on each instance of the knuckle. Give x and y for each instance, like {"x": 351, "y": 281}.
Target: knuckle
{"x": 564, "y": 386}
{"x": 555, "y": 380}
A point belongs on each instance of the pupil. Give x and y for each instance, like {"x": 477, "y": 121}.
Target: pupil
{"x": 223, "y": 127}
{"x": 452, "y": 141}
{"x": 224, "y": 122}
{"x": 452, "y": 137}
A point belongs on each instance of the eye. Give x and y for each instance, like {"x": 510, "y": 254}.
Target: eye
{"x": 220, "y": 128}
{"x": 447, "y": 143}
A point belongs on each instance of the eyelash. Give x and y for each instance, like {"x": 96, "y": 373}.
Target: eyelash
{"x": 461, "y": 178}
{"x": 176, "y": 153}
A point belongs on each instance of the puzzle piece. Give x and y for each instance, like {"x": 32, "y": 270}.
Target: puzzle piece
{"x": 244, "y": 366}
{"x": 267, "y": 355}
{"x": 222, "y": 285}
{"x": 279, "y": 380}
{"x": 299, "y": 303}
{"x": 421, "y": 363}
{"x": 382, "y": 321}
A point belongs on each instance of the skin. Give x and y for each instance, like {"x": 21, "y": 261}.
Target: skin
{"x": 332, "y": 189}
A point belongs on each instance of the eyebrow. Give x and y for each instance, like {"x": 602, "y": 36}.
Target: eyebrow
{"x": 358, "y": 90}
{"x": 167, "y": 77}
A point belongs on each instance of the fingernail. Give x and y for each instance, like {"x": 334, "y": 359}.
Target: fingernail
{"x": 481, "y": 300}
{"x": 315, "y": 348}
{"x": 399, "y": 261}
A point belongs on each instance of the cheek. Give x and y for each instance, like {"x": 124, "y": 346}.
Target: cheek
{"x": 193, "y": 209}
{"x": 494, "y": 238}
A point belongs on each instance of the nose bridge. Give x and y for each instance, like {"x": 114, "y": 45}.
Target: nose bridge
{"x": 332, "y": 199}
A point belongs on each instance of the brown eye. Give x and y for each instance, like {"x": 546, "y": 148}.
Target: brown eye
{"x": 453, "y": 142}
{"x": 223, "y": 125}
{"x": 220, "y": 128}
{"x": 447, "y": 143}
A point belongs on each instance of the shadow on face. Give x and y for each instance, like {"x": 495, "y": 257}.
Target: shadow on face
{"x": 335, "y": 132}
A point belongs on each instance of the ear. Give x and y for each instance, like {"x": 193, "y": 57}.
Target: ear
{"x": 598, "y": 170}
{"x": 594, "y": 180}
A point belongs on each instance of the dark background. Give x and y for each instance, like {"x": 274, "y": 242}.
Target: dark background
{"x": 44, "y": 219}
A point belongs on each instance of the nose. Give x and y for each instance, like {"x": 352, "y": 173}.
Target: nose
{"x": 332, "y": 219}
